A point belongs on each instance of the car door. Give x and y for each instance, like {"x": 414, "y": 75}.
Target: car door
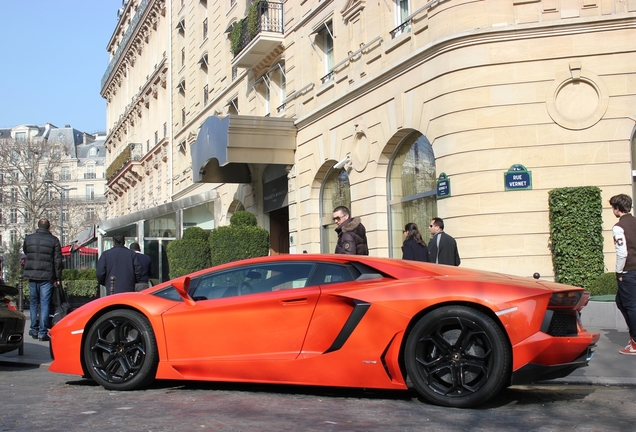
{"x": 252, "y": 312}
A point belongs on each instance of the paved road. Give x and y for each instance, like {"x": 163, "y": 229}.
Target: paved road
{"x": 34, "y": 399}
{"x": 600, "y": 397}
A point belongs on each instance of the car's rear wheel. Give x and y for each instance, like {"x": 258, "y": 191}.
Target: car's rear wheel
{"x": 120, "y": 351}
{"x": 457, "y": 356}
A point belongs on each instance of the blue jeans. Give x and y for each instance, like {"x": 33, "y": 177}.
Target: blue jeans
{"x": 40, "y": 299}
{"x": 626, "y": 300}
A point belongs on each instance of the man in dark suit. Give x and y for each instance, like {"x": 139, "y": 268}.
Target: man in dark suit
{"x": 147, "y": 267}
{"x": 121, "y": 262}
{"x": 442, "y": 248}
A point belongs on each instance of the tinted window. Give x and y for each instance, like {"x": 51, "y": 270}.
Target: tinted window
{"x": 168, "y": 293}
{"x": 333, "y": 273}
{"x": 253, "y": 279}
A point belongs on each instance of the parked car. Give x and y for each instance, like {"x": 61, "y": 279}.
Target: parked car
{"x": 457, "y": 336}
{"x": 11, "y": 321}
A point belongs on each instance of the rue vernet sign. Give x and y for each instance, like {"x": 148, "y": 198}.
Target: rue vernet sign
{"x": 518, "y": 178}
{"x": 443, "y": 186}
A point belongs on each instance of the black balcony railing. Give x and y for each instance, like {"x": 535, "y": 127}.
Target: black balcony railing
{"x": 89, "y": 175}
{"x": 268, "y": 17}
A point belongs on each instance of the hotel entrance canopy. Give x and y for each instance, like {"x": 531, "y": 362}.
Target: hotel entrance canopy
{"x": 224, "y": 147}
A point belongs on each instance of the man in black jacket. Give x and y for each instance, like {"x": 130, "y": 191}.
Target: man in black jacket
{"x": 42, "y": 267}
{"x": 147, "y": 267}
{"x": 352, "y": 236}
{"x": 442, "y": 248}
{"x": 121, "y": 262}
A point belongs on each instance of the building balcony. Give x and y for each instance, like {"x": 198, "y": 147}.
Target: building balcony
{"x": 258, "y": 34}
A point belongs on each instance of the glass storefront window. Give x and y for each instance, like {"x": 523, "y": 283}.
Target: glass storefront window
{"x": 156, "y": 250}
{"x": 336, "y": 191}
{"x": 412, "y": 189}
{"x": 164, "y": 226}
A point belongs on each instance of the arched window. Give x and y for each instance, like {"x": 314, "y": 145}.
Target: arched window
{"x": 336, "y": 191}
{"x": 412, "y": 189}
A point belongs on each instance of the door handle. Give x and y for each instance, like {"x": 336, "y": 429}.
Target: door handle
{"x": 295, "y": 301}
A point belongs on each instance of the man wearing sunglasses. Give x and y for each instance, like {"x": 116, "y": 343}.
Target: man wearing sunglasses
{"x": 442, "y": 248}
{"x": 352, "y": 236}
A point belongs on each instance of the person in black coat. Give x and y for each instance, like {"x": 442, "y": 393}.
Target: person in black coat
{"x": 442, "y": 248}
{"x": 352, "y": 235}
{"x": 43, "y": 265}
{"x": 414, "y": 248}
{"x": 147, "y": 267}
{"x": 121, "y": 262}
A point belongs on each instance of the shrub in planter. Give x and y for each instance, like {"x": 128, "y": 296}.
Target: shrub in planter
{"x": 69, "y": 274}
{"x": 81, "y": 288}
{"x": 235, "y": 37}
{"x": 604, "y": 284}
{"x": 87, "y": 274}
{"x": 241, "y": 240}
{"x": 190, "y": 253}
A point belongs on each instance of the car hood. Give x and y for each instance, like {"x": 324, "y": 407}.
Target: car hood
{"x": 8, "y": 290}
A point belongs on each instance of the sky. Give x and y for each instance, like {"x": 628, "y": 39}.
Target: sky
{"x": 53, "y": 58}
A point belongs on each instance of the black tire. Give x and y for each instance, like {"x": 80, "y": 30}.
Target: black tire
{"x": 120, "y": 351}
{"x": 458, "y": 357}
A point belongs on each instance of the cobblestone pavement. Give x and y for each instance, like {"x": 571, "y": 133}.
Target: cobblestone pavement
{"x": 31, "y": 398}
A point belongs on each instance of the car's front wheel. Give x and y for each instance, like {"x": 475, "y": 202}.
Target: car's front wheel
{"x": 120, "y": 351}
{"x": 457, "y": 356}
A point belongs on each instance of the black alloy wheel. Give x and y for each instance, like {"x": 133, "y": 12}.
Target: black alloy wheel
{"x": 457, "y": 356}
{"x": 120, "y": 351}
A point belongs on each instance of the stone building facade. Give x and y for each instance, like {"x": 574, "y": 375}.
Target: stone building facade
{"x": 289, "y": 108}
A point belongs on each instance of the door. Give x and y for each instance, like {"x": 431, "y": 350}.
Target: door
{"x": 251, "y": 312}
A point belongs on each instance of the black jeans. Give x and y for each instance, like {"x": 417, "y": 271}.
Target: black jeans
{"x": 626, "y": 300}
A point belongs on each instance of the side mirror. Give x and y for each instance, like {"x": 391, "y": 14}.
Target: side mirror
{"x": 182, "y": 285}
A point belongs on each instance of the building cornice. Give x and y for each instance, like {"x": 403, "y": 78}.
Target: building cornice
{"x": 500, "y": 33}
{"x": 136, "y": 35}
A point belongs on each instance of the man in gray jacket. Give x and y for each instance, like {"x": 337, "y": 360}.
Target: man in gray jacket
{"x": 43, "y": 267}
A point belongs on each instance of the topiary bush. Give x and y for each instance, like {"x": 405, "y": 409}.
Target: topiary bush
{"x": 189, "y": 254}
{"x": 195, "y": 233}
{"x": 243, "y": 218}
{"x": 576, "y": 235}
{"x": 241, "y": 240}
{"x": 605, "y": 284}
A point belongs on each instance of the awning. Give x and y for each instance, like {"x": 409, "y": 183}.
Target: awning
{"x": 85, "y": 237}
{"x": 87, "y": 251}
{"x": 226, "y": 145}
{"x": 83, "y": 251}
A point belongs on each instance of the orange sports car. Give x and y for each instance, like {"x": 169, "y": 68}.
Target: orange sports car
{"x": 457, "y": 336}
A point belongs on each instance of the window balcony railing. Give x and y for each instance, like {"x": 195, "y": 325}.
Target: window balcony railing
{"x": 258, "y": 34}
{"x": 89, "y": 176}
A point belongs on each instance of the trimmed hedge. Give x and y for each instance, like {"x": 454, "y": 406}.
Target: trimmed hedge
{"x": 241, "y": 240}
{"x": 190, "y": 253}
{"x": 74, "y": 288}
{"x": 576, "y": 235}
{"x": 605, "y": 284}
